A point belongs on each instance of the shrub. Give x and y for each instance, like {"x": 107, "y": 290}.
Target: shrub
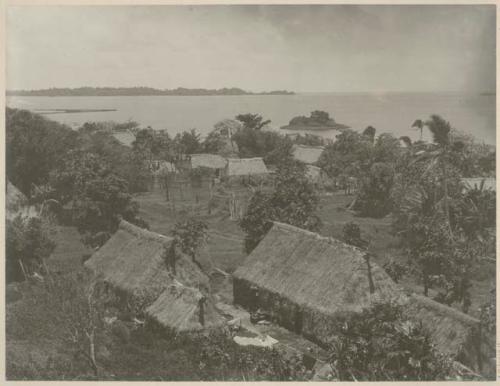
{"x": 381, "y": 344}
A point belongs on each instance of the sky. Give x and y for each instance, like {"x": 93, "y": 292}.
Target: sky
{"x": 309, "y": 48}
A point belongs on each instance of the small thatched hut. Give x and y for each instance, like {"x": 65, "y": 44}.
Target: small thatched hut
{"x": 184, "y": 309}
{"x": 307, "y": 154}
{"x": 304, "y": 280}
{"x": 15, "y": 200}
{"x": 315, "y": 174}
{"x": 452, "y": 331}
{"x": 126, "y": 138}
{"x": 239, "y": 167}
{"x": 134, "y": 263}
{"x": 210, "y": 161}
{"x": 16, "y": 204}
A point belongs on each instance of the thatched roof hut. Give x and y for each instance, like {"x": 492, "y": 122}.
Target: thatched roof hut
{"x": 307, "y": 154}
{"x": 124, "y": 137}
{"x": 452, "y": 331}
{"x": 245, "y": 167}
{"x": 476, "y": 182}
{"x": 16, "y": 204}
{"x": 305, "y": 279}
{"x": 184, "y": 309}
{"x": 133, "y": 262}
{"x": 211, "y": 161}
{"x": 15, "y": 200}
{"x": 314, "y": 174}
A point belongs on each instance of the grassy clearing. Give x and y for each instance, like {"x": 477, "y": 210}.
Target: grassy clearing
{"x": 41, "y": 354}
{"x": 225, "y": 246}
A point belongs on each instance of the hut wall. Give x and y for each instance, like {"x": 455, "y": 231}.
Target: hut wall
{"x": 314, "y": 325}
{"x": 474, "y": 352}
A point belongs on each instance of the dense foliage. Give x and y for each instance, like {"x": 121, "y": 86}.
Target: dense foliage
{"x": 97, "y": 197}
{"x": 190, "y": 235}
{"x": 317, "y": 118}
{"x": 28, "y": 244}
{"x": 293, "y": 201}
{"x": 34, "y": 147}
{"x": 80, "y": 336}
{"x": 381, "y": 344}
{"x": 444, "y": 227}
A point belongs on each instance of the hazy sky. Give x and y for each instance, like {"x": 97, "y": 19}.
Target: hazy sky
{"x": 301, "y": 48}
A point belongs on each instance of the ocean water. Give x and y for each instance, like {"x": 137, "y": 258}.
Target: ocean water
{"x": 390, "y": 112}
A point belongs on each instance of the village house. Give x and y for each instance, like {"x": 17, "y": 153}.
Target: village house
{"x": 214, "y": 162}
{"x": 245, "y": 167}
{"x": 305, "y": 281}
{"x": 15, "y": 200}
{"x": 307, "y": 154}
{"x": 315, "y": 174}
{"x": 135, "y": 264}
{"x": 16, "y": 203}
{"x": 310, "y": 155}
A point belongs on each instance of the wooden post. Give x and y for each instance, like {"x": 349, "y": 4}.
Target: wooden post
{"x": 370, "y": 278}
{"x": 23, "y": 270}
{"x": 201, "y": 315}
{"x": 167, "y": 195}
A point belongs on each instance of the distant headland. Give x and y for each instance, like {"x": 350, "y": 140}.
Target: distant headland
{"x": 140, "y": 91}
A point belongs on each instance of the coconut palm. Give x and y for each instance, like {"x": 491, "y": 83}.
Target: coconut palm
{"x": 419, "y": 125}
{"x": 441, "y": 130}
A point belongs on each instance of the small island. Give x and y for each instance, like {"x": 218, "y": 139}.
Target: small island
{"x": 139, "y": 91}
{"x": 318, "y": 121}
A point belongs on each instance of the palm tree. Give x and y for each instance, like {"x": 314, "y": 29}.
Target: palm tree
{"x": 440, "y": 130}
{"x": 419, "y": 125}
{"x": 369, "y": 132}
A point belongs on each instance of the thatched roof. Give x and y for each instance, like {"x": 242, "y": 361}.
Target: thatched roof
{"x": 246, "y": 166}
{"x": 307, "y": 154}
{"x": 14, "y": 199}
{"x": 313, "y": 173}
{"x": 124, "y": 137}
{"x": 184, "y": 309}
{"x": 16, "y": 204}
{"x": 133, "y": 261}
{"x": 317, "y": 272}
{"x": 451, "y": 330}
{"x": 212, "y": 161}
{"x": 471, "y": 183}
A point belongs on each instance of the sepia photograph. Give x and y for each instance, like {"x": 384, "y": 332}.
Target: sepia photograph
{"x": 229, "y": 192}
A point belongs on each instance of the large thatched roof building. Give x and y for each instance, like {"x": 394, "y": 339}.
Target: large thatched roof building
{"x": 305, "y": 281}
{"x": 307, "y": 154}
{"x": 134, "y": 263}
{"x": 210, "y": 161}
{"x": 452, "y": 331}
{"x": 245, "y": 167}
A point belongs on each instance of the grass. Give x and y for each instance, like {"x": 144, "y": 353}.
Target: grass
{"x": 225, "y": 245}
{"x": 35, "y": 352}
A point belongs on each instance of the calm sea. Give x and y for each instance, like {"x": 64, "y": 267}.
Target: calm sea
{"x": 390, "y": 112}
